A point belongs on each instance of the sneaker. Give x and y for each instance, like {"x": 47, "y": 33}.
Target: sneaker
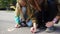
{"x": 23, "y": 24}
{"x": 50, "y": 29}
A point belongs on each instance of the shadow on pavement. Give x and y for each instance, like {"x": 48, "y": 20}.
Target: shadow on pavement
{"x": 57, "y": 29}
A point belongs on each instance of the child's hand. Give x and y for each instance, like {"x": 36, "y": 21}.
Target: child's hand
{"x": 33, "y": 29}
{"x": 49, "y": 24}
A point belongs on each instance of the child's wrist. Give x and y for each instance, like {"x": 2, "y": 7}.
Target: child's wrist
{"x": 34, "y": 25}
{"x": 55, "y": 20}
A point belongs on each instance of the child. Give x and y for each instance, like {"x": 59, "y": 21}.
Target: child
{"x": 48, "y": 16}
{"x": 21, "y": 16}
{"x": 20, "y": 12}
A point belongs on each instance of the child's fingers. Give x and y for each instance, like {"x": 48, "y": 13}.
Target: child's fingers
{"x": 33, "y": 30}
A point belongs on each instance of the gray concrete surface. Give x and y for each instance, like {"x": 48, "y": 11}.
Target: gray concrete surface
{"x": 7, "y": 25}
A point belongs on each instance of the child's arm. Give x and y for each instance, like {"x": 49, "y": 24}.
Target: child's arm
{"x": 51, "y": 23}
{"x": 33, "y": 29}
{"x": 56, "y": 19}
{"x": 18, "y": 11}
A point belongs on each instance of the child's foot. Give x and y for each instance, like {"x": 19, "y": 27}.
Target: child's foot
{"x": 33, "y": 30}
{"x": 17, "y": 26}
{"x": 23, "y": 24}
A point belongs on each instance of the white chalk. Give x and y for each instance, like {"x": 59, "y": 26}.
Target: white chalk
{"x": 11, "y": 29}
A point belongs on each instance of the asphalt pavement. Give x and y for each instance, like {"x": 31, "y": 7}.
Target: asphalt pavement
{"x": 7, "y": 25}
